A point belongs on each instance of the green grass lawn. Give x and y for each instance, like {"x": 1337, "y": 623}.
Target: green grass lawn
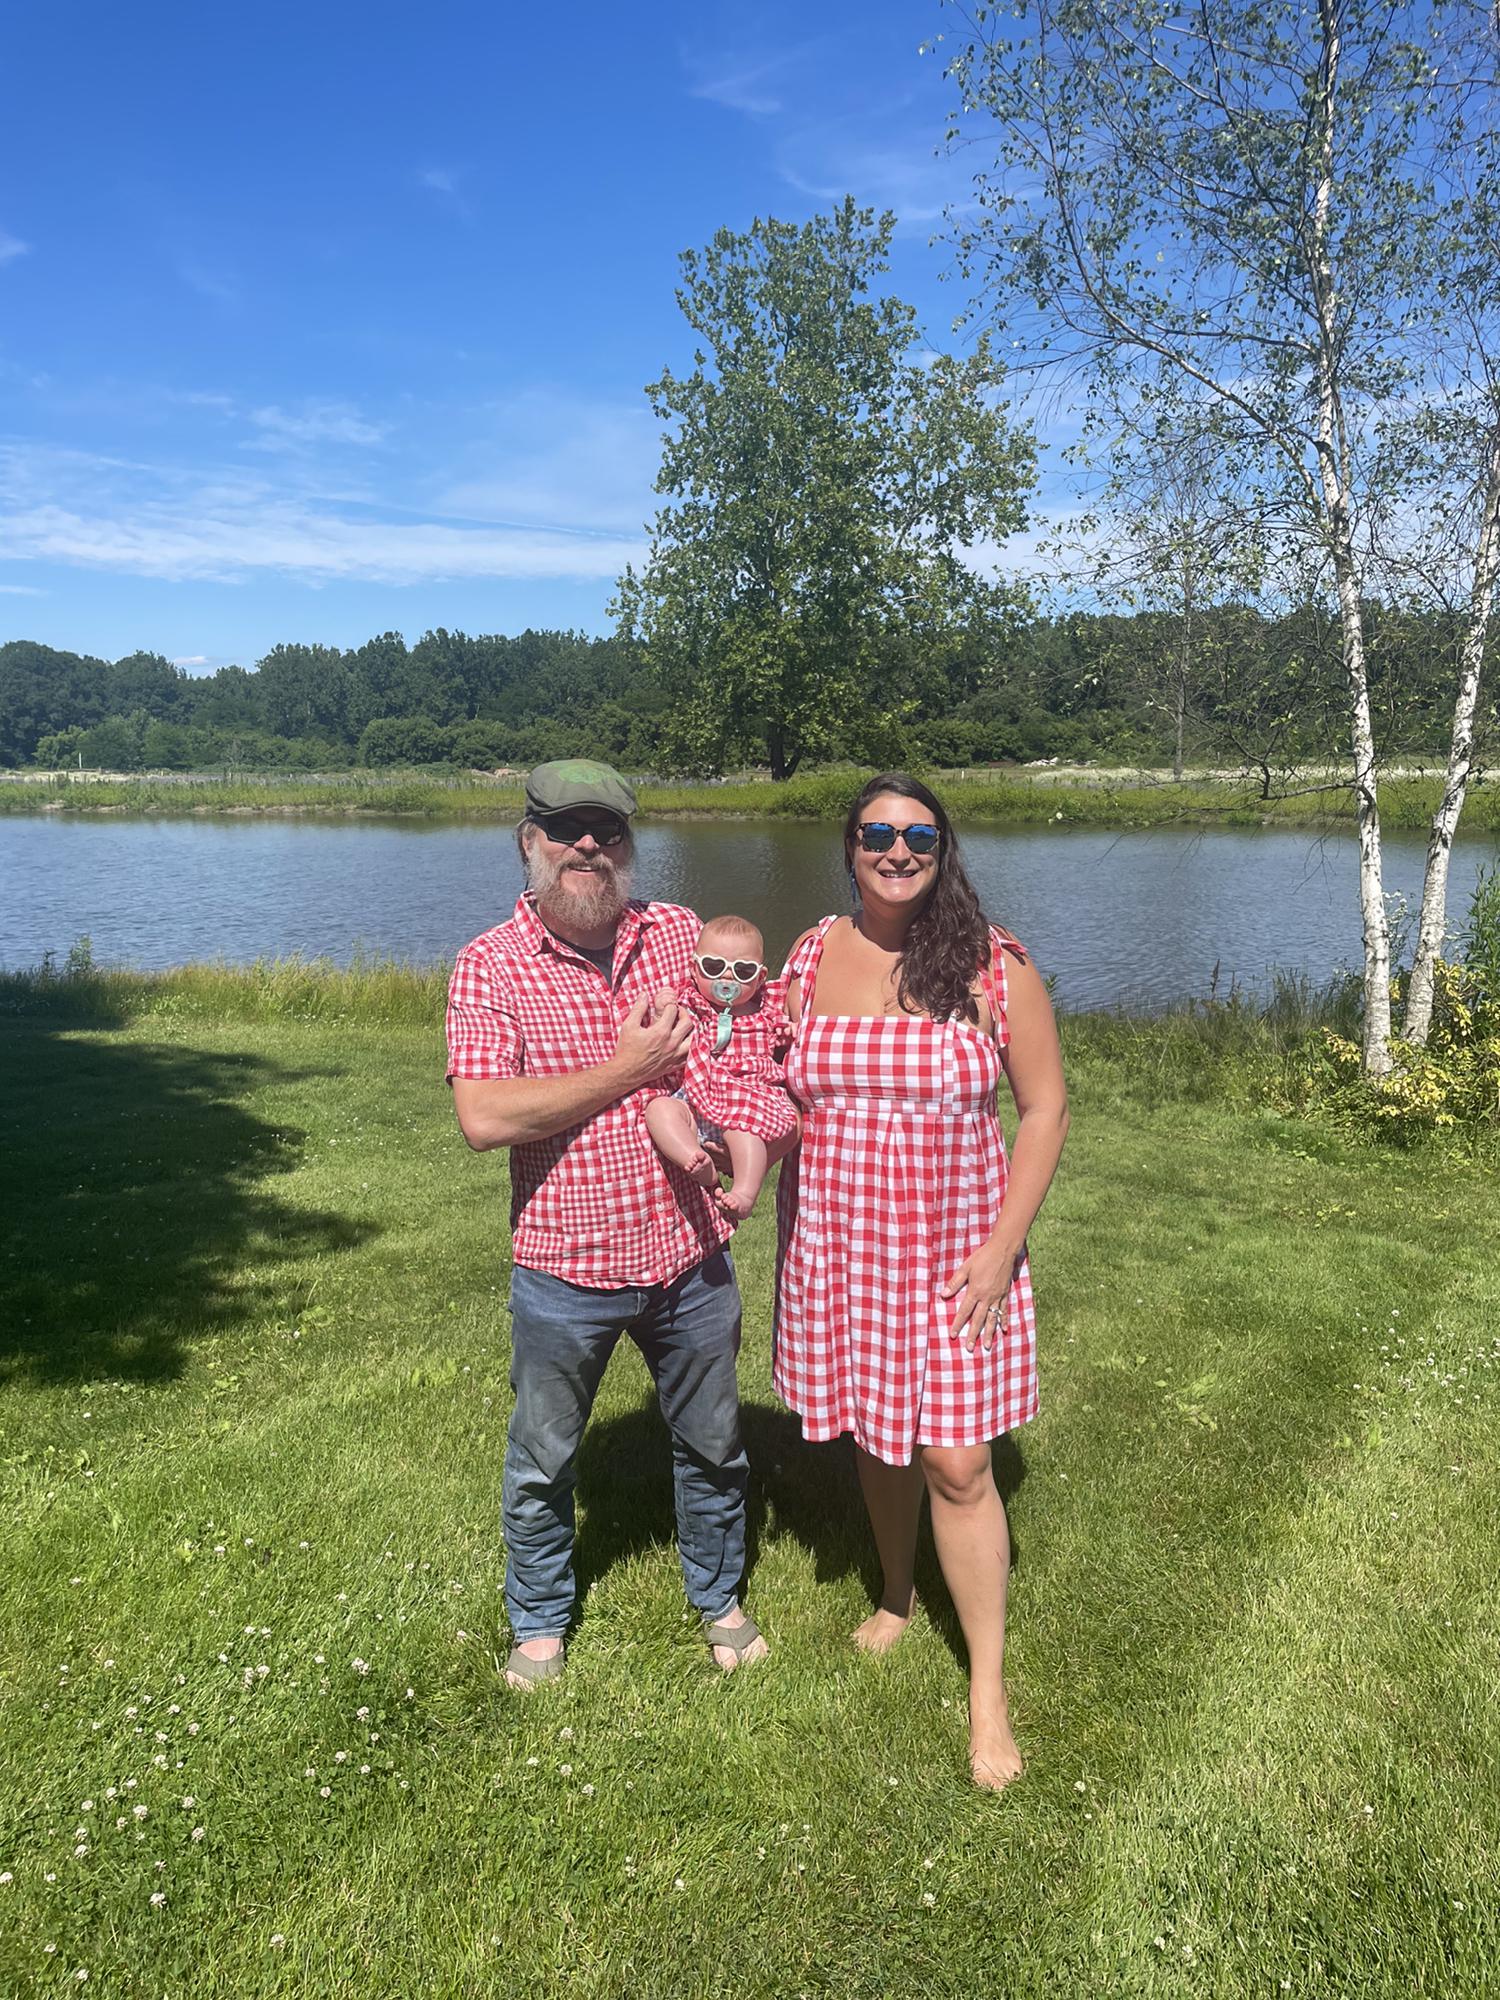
{"x": 253, "y": 1382}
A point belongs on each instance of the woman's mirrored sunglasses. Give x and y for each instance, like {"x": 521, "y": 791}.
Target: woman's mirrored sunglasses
{"x": 878, "y": 836}
{"x": 569, "y": 829}
{"x": 742, "y": 969}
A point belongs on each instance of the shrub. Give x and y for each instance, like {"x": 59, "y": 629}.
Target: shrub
{"x": 1453, "y": 1083}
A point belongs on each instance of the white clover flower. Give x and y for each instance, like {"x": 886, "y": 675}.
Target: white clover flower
{"x": 196, "y": 1834}
{"x": 566, "y": 1770}
{"x": 188, "y": 1802}
{"x": 158, "y": 1897}
{"x": 141, "y": 1812}
{"x": 325, "y": 1791}
{"x": 277, "y": 1941}
{"x": 6, "y": 1878}
{"x": 928, "y": 1899}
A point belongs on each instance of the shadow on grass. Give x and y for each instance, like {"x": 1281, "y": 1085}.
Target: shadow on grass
{"x": 134, "y": 1206}
{"x": 808, "y": 1491}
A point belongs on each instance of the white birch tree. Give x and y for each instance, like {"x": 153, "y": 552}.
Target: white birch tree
{"x": 1257, "y": 200}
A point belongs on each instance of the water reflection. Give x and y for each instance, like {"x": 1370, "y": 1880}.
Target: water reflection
{"x": 1136, "y": 918}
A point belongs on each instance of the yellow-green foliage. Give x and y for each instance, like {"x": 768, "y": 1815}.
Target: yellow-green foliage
{"x": 1454, "y": 1081}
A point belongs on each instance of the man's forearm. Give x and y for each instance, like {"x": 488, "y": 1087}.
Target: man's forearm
{"x": 507, "y": 1111}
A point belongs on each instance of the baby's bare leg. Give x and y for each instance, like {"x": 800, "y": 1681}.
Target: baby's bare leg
{"x": 674, "y": 1133}
{"x": 749, "y": 1159}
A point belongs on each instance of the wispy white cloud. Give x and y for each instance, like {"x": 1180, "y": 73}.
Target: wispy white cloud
{"x": 442, "y": 180}
{"x": 217, "y": 284}
{"x": 547, "y": 460}
{"x": 11, "y": 247}
{"x": 20, "y": 590}
{"x": 312, "y": 423}
{"x": 191, "y": 660}
{"x": 177, "y": 524}
{"x": 738, "y": 86}
{"x": 920, "y": 185}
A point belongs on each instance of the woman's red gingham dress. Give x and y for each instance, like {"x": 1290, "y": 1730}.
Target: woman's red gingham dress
{"x": 900, "y": 1176}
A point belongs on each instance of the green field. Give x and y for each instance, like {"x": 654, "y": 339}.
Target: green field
{"x": 253, "y": 1370}
{"x": 1002, "y": 798}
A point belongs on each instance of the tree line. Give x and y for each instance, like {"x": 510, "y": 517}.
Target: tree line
{"x": 1255, "y": 691}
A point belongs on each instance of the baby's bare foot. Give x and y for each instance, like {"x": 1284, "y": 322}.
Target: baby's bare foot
{"x": 994, "y": 1759}
{"x": 883, "y": 1627}
{"x": 736, "y": 1202}
{"x": 700, "y": 1168}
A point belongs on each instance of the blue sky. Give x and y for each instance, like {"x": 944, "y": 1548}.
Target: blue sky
{"x": 322, "y": 320}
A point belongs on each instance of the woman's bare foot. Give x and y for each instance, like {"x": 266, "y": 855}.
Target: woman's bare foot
{"x": 883, "y": 1627}
{"x": 993, "y": 1756}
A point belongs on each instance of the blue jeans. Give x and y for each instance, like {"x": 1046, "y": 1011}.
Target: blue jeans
{"x": 562, "y": 1336}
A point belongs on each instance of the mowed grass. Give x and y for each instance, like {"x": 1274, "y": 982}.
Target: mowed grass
{"x": 253, "y": 1380}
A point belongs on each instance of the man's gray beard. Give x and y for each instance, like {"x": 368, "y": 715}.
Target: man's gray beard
{"x": 595, "y": 899}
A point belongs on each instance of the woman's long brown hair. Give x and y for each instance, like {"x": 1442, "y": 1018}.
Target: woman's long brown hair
{"x": 948, "y": 944}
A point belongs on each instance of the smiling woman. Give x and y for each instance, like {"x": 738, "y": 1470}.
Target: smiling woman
{"x": 904, "y": 1312}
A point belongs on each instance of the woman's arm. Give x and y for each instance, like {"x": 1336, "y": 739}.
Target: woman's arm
{"x": 1033, "y": 1066}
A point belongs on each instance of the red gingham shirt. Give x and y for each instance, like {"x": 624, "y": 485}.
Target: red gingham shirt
{"x": 594, "y": 1204}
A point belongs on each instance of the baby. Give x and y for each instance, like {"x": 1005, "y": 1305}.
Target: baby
{"x": 732, "y": 1084}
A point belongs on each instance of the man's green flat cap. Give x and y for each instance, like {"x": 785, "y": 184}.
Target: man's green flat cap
{"x": 578, "y": 781}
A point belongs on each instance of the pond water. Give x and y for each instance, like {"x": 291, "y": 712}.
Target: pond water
{"x": 1136, "y": 919}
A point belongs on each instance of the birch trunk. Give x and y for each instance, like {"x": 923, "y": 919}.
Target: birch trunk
{"x": 1433, "y": 924}
{"x": 1334, "y": 471}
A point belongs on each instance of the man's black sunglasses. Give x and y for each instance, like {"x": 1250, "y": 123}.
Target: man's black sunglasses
{"x": 570, "y": 829}
{"x": 878, "y": 836}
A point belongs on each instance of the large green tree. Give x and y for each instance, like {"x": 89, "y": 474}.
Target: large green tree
{"x": 832, "y": 490}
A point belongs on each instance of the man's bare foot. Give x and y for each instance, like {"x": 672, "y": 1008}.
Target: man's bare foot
{"x": 737, "y": 1203}
{"x": 725, "y": 1656}
{"x": 883, "y": 1627}
{"x": 994, "y": 1758}
{"x": 533, "y": 1649}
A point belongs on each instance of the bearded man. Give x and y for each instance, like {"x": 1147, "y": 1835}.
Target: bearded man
{"x": 558, "y": 1021}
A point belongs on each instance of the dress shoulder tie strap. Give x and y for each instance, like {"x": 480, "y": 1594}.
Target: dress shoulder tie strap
{"x": 803, "y": 964}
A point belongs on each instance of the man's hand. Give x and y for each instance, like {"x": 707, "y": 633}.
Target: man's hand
{"x": 655, "y": 1037}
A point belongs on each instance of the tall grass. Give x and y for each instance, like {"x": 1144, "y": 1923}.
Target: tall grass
{"x": 1005, "y": 799}
{"x": 370, "y": 990}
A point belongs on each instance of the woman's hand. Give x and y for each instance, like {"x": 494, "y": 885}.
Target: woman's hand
{"x": 982, "y": 1286}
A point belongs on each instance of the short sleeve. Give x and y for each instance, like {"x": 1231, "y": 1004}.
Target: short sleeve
{"x": 484, "y": 1041}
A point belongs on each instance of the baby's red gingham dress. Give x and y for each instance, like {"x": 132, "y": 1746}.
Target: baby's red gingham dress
{"x": 900, "y": 1177}
{"x": 744, "y": 1088}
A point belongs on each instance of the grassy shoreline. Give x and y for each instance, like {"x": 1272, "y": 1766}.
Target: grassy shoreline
{"x": 1020, "y": 799}
{"x": 253, "y": 1738}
